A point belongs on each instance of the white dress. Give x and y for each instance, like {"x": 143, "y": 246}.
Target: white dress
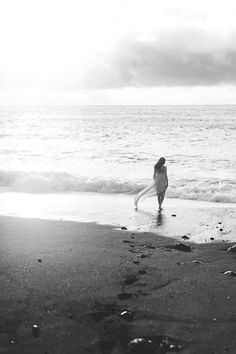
{"x": 157, "y": 187}
{"x": 161, "y": 180}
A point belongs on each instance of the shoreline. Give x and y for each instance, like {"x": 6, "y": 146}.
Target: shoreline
{"x": 200, "y": 219}
{"x": 75, "y": 279}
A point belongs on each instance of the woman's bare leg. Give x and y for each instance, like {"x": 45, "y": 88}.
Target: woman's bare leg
{"x": 160, "y": 200}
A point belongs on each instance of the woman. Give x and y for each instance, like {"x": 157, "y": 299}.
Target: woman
{"x": 158, "y": 187}
{"x": 160, "y": 180}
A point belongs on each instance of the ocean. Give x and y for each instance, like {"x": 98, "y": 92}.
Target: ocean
{"x": 112, "y": 149}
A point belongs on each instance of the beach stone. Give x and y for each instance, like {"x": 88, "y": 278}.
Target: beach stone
{"x": 182, "y": 247}
{"x": 173, "y": 215}
{"x": 144, "y": 255}
{"x": 136, "y": 262}
{"x": 150, "y": 246}
{"x": 39, "y": 260}
{"x": 167, "y": 345}
{"x": 124, "y": 296}
{"x": 221, "y": 229}
{"x": 127, "y": 315}
{"x": 141, "y": 346}
{"x": 124, "y": 228}
{"x": 130, "y": 279}
{"x": 212, "y": 238}
{"x": 35, "y": 330}
{"x": 232, "y": 248}
{"x": 197, "y": 261}
{"x": 185, "y": 237}
{"x": 230, "y": 273}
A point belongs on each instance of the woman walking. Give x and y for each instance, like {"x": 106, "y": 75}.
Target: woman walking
{"x": 158, "y": 187}
{"x": 160, "y": 180}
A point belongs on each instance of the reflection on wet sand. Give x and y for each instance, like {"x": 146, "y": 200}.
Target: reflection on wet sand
{"x": 159, "y": 219}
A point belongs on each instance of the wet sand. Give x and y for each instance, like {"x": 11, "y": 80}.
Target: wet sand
{"x": 73, "y": 280}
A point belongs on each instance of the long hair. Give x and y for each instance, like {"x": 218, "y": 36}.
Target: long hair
{"x": 160, "y": 163}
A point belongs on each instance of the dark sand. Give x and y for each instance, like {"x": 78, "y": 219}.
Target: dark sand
{"x": 66, "y": 277}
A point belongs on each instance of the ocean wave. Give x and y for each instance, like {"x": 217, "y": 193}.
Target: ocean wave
{"x": 53, "y": 182}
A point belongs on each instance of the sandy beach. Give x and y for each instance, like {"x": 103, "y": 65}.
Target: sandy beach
{"x": 74, "y": 280}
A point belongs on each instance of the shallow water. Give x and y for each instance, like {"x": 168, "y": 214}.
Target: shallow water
{"x": 112, "y": 149}
{"x": 197, "y": 219}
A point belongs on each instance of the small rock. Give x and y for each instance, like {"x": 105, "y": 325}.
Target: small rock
{"x": 221, "y": 229}
{"x": 173, "y": 215}
{"x": 168, "y": 345}
{"x": 220, "y": 222}
{"x": 141, "y": 346}
{"x": 232, "y": 248}
{"x": 144, "y": 255}
{"x": 130, "y": 279}
{"x": 127, "y": 241}
{"x": 150, "y": 246}
{"x": 212, "y": 238}
{"x": 136, "y": 262}
{"x": 127, "y": 315}
{"x": 230, "y": 273}
{"x": 185, "y": 237}
{"x": 124, "y": 296}
{"x": 182, "y": 247}
{"x": 35, "y": 330}
{"x": 39, "y": 260}
{"x": 124, "y": 228}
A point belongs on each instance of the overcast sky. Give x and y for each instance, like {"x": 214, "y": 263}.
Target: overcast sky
{"x": 117, "y": 52}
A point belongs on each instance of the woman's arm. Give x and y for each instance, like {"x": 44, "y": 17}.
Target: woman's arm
{"x": 166, "y": 177}
{"x": 154, "y": 174}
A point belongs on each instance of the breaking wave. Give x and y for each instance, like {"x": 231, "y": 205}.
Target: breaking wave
{"x": 53, "y": 182}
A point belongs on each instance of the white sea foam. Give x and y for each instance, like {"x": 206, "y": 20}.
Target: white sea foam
{"x": 53, "y": 182}
{"x": 112, "y": 149}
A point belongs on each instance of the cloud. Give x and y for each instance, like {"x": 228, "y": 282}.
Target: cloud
{"x": 186, "y": 57}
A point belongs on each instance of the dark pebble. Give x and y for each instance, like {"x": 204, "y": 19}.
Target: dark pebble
{"x": 173, "y": 214}
{"x": 212, "y": 238}
{"x": 39, "y": 260}
{"x": 136, "y": 262}
{"x": 185, "y": 237}
{"x": 182, "y": 247}
{"x": 124, "y": 228}
{"x": 221, "y": 229}
{"x": 130, "y": 279}
{"x": 35, "y": 330}
{"x": 124, "y": 296}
